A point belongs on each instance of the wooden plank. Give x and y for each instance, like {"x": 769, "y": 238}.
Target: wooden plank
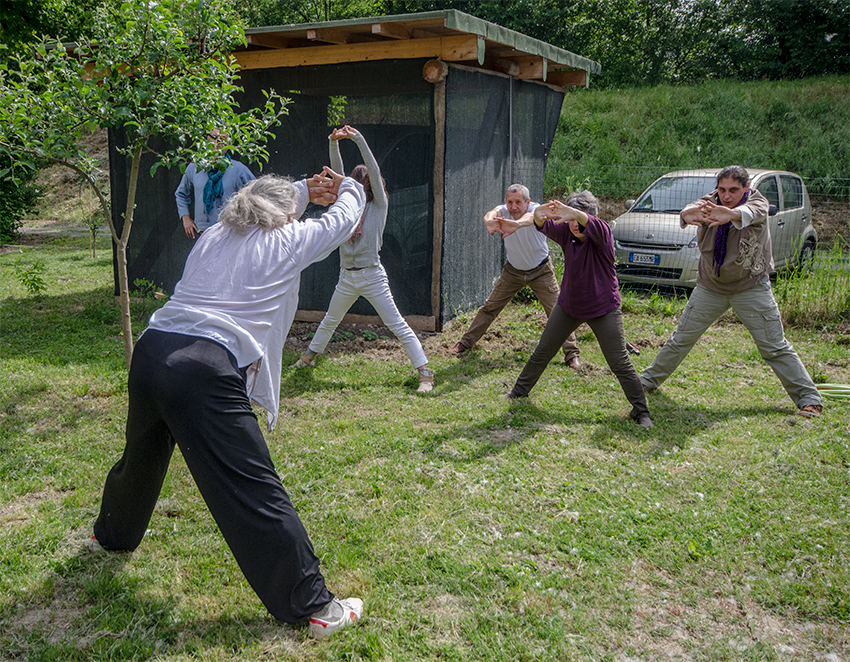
{"x": 439, "y": 198}
{"x": 330, "y": 36}
{"x": 459, "y": 48}
{"x": 416, "y": 322}
{"x": 391, "y": 31}
{"x": 567, "y": 78}
{"x": 271, "y": 41}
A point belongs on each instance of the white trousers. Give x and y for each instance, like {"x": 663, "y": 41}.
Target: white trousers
{"x": 371, "y": 283}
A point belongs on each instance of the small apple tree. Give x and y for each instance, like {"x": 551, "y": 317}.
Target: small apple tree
{"x": 154, "y": 68}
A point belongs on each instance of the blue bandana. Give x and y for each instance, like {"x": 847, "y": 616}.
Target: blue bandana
{"x": 214, "y": 188}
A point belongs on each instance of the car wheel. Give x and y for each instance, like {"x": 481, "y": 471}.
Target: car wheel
{"x": 807, "y": 256}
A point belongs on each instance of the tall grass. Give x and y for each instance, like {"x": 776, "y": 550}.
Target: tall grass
{"x": 819, "y": 296}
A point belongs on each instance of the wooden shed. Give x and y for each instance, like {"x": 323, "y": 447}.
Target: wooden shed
{"x": 454, "y": 108}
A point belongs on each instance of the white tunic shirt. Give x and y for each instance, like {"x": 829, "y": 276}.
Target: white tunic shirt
{"x": 241, "y": 290}
{"x": 526, "y": 248}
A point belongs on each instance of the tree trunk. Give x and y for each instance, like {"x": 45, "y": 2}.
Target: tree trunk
{"x": 121, "y": 248}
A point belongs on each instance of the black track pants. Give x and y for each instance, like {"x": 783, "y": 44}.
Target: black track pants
{"x": 189, "y": 391}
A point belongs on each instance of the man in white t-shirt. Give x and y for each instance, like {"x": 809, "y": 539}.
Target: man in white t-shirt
{"x": 528, "y": 263}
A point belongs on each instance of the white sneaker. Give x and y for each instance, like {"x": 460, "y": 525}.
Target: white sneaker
{"x": 93, "y": 546}
{"x": 335, "y": 616}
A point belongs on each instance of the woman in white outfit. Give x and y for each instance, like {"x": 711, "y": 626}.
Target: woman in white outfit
{"x": 361, "y": 272}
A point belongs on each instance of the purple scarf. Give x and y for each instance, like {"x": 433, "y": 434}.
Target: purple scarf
{"x": 721, "y": 237}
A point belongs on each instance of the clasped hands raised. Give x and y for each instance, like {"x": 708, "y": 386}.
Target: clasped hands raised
{"x": 324, "y": 187}
{"x": 708, "y": 214}
{"x": 343, "y": 132}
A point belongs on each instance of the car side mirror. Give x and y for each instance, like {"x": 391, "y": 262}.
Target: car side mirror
{"x": 772, "y": 210}
{"x": 628, "y": 204}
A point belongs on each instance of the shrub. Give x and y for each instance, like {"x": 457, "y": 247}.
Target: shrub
{"x": 16, "y": 199}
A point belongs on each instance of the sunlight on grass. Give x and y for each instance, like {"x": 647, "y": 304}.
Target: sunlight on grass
{"x": 475, "y": 528}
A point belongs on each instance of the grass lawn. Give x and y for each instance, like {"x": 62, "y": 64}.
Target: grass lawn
{"x": 475, "y": 528}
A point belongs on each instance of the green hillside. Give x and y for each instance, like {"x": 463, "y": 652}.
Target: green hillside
{"x": 620, "y": 140}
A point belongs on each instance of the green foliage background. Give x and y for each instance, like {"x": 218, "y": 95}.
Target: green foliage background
{"x": 638, "y": 42}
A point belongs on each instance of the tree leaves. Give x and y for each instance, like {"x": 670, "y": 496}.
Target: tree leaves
{"x": 154, "y": 69}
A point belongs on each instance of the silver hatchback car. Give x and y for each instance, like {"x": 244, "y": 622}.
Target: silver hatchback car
{"x": 653, "y": 249}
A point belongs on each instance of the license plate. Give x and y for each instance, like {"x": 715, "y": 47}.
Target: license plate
{"x": 643, "y": 258}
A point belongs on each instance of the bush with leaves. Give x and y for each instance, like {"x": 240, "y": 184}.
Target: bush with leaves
{"x": 30, "y": 276}
{"x": 17, "y": 197}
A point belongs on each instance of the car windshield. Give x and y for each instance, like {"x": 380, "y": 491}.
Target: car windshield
{"x": 672, "y": 194}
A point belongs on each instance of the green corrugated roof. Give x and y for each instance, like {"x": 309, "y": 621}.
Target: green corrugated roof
{"x": 451, "y": 21}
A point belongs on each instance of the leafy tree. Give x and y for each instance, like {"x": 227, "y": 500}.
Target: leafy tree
{"x": 275, "y": 12}
{"x": 156, "y": 70}
{"x": 787, "y": 38}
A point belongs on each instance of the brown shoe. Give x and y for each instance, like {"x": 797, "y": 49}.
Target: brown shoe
{"x": 574, "y": 363}
{"x": 811, "y": 411}
{"x": 458, "y": 349}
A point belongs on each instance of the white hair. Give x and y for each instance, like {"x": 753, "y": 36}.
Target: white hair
{"x": 518, "y": 188}
{"x": 267, "y": 202}
{"x": 585, "y": 201}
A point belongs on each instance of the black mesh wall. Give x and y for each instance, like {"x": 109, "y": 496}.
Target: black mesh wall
{"x": 536, "y": 111}
{"x": 158, "y": 244}
{"x": 476, "y": 174}
{"x": 388, "y": 102}
{"x": 498, "y": 132}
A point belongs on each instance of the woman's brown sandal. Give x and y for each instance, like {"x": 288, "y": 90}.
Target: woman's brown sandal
{"x": 811, "y": 411}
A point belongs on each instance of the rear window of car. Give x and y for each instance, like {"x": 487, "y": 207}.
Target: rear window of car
{"x": 792, "y": 191}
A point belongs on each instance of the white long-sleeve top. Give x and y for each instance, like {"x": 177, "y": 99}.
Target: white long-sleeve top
{"x": 241, "y": 290}
{"x": 364, "y": 250}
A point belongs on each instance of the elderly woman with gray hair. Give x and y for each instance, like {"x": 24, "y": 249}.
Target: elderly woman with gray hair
{"x": 213, "y": 348}
{"x": 589, "y": 294}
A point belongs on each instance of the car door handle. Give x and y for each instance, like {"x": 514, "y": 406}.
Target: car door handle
{"x": 780, "y": 224}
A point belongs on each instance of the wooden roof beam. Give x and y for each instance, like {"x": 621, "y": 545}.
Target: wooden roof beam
{"x": 506, "y": 66}
{"x": 391, "y": 31}
{"x": 452, "y": 49}
{"x": 532, "y": 68}
{"x": 268, "y": 40}
{"x": 568, "y": 78}
{"x": 330, "y": 36}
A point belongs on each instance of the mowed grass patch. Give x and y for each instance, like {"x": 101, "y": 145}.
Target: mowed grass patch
{"x": 474, "y": 527}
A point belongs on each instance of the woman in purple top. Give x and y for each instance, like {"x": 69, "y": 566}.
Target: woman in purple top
{"x": 589, "y": 294}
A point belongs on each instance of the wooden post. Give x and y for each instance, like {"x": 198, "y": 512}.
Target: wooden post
{"x": 439, "y": 198}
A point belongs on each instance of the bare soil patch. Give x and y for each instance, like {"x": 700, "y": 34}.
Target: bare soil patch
{"x": 20, "y": 510}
